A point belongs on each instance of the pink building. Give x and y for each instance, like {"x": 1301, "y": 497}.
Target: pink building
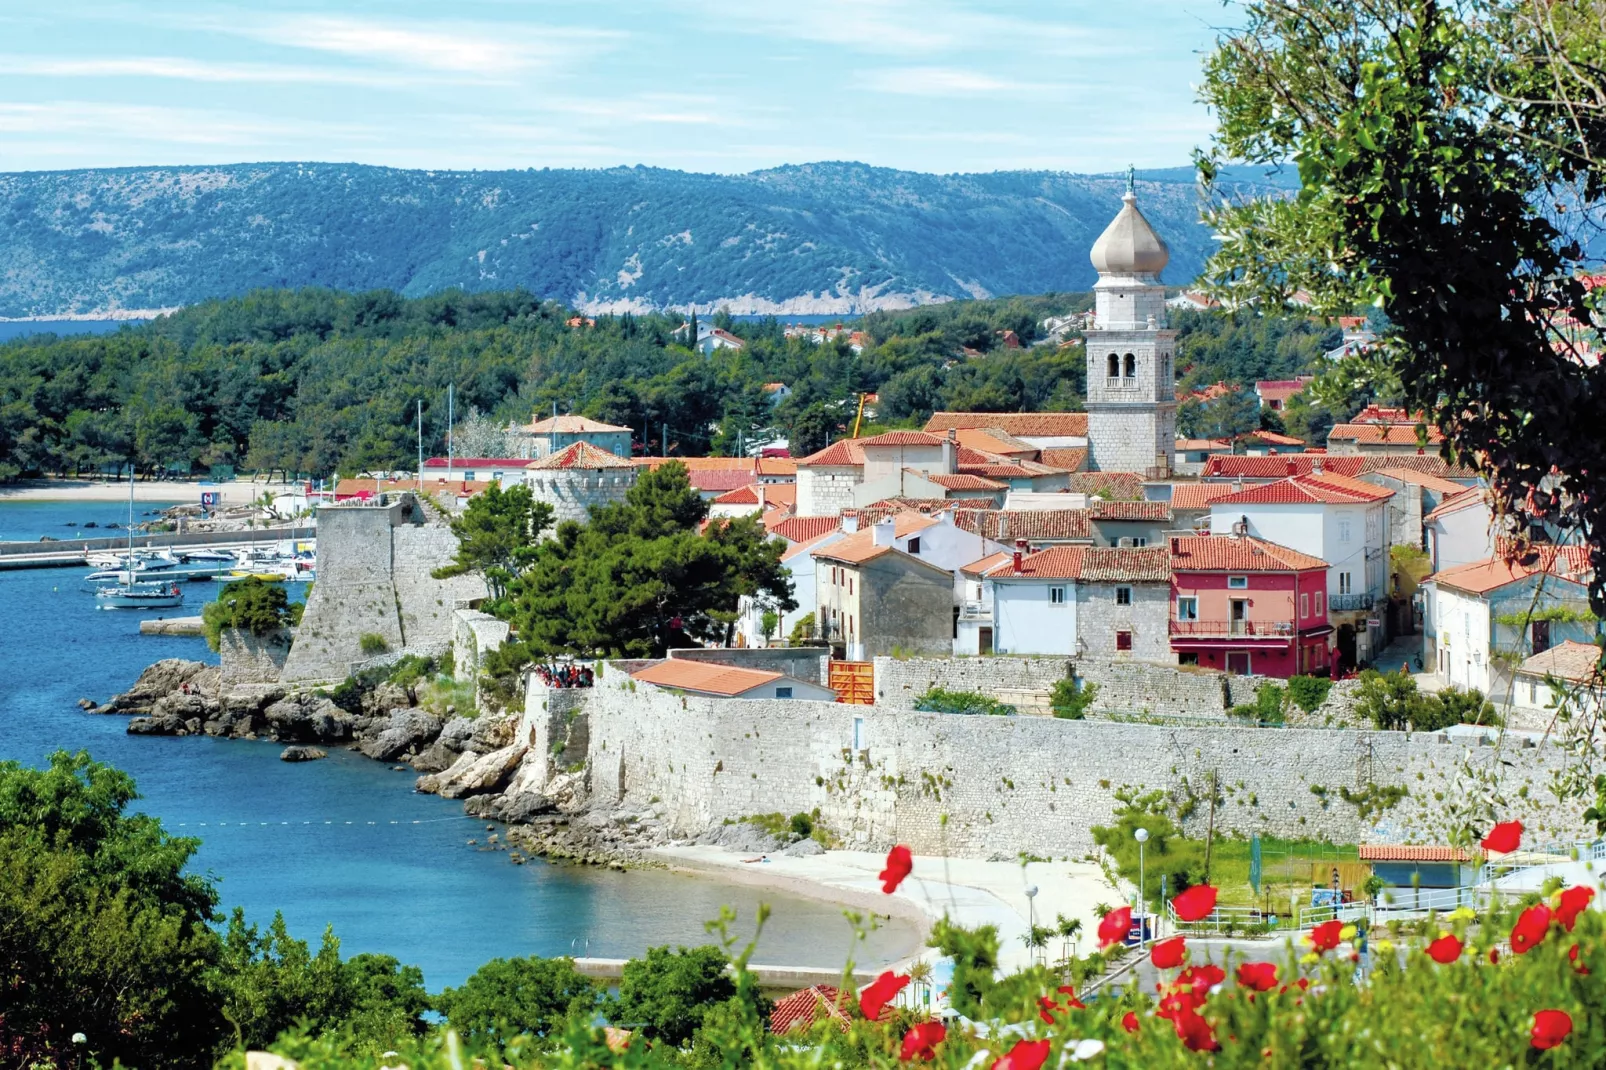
{"x": 1245, "y": 605}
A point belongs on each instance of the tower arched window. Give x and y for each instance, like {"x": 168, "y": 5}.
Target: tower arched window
{"x": 1165, "y": 368}
{"x": 1114, "y": 366}
{"x": 1131, "y": 366}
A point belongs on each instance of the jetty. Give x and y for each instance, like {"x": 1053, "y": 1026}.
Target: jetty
{"x": 70, "y": 553}
{"x": 172, "y": 626}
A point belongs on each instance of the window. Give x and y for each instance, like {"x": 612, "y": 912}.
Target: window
{"x": 1131, "y": 366}
{"x": 1139, "y": 541}
{"x": 1343, "y": 583}
{"x": 1123, "y": 596}
{"x": 783, "y": 692}
{"x": 1165, "y": 367}
{"x": 1056, "y": 596}
{"x": 850, "y": 584}
{"x": 914, "y": 545}
{"x": 1304, "y": 605}
{"x": 858, "y": 733}
{"x": 1187, "y": 609}
{"x": 1318, "y": 603}
{"x": 1123, "y": 640}
{"x": 1113, "y": 366}
{"x": 1343, "y": 529}
{"x": 1238, "y": 583}
{"x": 850, "y": 625}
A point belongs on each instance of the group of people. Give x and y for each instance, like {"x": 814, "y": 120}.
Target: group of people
{"x": 565, "y": 675}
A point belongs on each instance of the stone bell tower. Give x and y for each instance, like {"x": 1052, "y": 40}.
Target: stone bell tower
{"x": 1131, "y": 380}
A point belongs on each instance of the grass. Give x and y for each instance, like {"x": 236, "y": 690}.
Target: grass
{"x": 1285, "y": 867}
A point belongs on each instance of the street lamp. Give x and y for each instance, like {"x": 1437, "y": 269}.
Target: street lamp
{"x": 1031, "y": 917}
{"x": 1142, "y": 836}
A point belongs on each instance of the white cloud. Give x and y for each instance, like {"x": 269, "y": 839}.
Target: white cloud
{"x": 183, "y": 69}
{"x": 937, "y": 82}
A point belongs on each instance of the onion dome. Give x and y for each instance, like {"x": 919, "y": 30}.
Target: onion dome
{"x": 1129, "y": 246}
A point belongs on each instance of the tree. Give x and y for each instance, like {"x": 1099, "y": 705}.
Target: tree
{"x": 251, "y": 605}
{"x": 496, "y": 534}
{"x": 479, "y": 435}
{"x": 102, "y": 930}
{"x": 1443, "y": 150}
{"x": 1167, "y": 854}
{"x": 506, "y": 998}
{"x": 668, "y": 992}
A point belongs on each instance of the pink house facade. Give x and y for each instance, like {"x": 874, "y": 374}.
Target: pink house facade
{"x": 1247, "y": 606}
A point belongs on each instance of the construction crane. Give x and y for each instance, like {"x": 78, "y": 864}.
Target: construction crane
{"x": 857, "y": 420}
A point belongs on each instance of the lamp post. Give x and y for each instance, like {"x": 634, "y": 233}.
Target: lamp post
{"x": 1031, "y": 918}
{"x": 1142, "y": 836}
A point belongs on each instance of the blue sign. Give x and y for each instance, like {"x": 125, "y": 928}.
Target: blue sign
{"x": 209, "y": 499}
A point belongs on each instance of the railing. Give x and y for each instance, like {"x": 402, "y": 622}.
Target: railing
{"x": 1233, "y": 629}
{"x": 1229, "y": 919}
{"x": 975, "y": 611}
{"x": 1341, "y": 603}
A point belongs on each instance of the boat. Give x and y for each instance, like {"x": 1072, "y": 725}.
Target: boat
{"x": 140, "y": 574}
{"x": 147, "y": 595}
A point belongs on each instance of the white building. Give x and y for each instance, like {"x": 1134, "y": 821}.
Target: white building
{"x": 1460, "y": 531}
{"x": 1083, "y": 600}
{"x": 797, "y": 561}
{"x": 1563, "y": 678}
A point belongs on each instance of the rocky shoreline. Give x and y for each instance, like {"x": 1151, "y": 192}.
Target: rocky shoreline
{"x": 476, "y": 759}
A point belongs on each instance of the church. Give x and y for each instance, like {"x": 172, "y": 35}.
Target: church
{"x": 1131, "y": 383}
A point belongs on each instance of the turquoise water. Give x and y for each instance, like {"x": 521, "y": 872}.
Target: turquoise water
{"x": 345, "y": 841}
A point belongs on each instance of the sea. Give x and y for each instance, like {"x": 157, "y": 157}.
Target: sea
{"x": 10, "y": 329}
{"x": 345, "y": 842}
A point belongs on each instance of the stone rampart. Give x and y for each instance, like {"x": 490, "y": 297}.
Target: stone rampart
{"x": 1126, "y": 687}
{"x": 900, "y": 681}
{"x": 474, "y": 635}
{"x": 1139, "y": 687}
{"x": 803, "y": 662}
{"x": 247, "y": 659}
{"x": 554, "y": 725}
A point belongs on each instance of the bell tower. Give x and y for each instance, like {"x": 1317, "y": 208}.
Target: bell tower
{"x": 1131, "y": 375}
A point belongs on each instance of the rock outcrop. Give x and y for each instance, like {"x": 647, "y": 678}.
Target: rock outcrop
{"x": 302, "y": 754}
{"x": 408, "y": 732}
{"x": 474, "y": 774}
{"x": 170, "y": 676}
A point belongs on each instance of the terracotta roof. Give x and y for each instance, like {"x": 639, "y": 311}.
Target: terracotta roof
{"x": 1046, "y": 525}
{"x": 1093, "y": 564}
{"x": 1569, "y": 563}
{"x": 1116, "y": 486}
{"x": 844, "y": 453}
{"x": 694, "y": 464}
{"x": 802, "y": 1009}
{"x": 1223, "y": 553}
{"x": 1325, "y": 489}
{"x": 777, "y": 466}
{"x": 1198, "y": 495}
{"x": 718, "y": 479}
{"x": 478, "y": 462}
{"x": 1404, "y": 852}
{"x": 747, "y": 494}
{"x": 804, "y": 528}
{"x": 580, "y": 454}
{"x": 569, "y": 425}
{"x": 1275, "y": 439}
{"x": 1070, "y": 458}
{"x": 993, "y": 440}
{"x": 962, "y": 481}
{"x": 860, "y": 547}
{"x": 1194, "y": 445}
{"x": 1281, "y": 389}
{"x": 901, "y": 438}
{"x": 1384, "y": 434}
{"x": 1021, "y": 424}
{"x": 1437, "y": 484}
{"x": 798, "y": 549}
{"x": 1468, "y": 497}
{"x": 991, "y": 561}
{"x": 1102, "y": 510}
{"x": 704, "y": 676}
{"x": 1571, "y": 661}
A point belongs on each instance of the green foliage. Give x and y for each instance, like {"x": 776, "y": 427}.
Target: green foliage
{"x": 1309, "y": 692}
{"x": 940, "y": 700}
{"x": 769, "y": 622}
{"x": 1392, "y": 701}
{"x": 497, "y": 534}
{"x": 975, "y": 956}
{"x": 507, "y": 998}
{"x": 1167, "y": 851}
{"x": 372, "y": 643}
{"x": 802, "y": 631}
{"x": 801, "y": 825}
{"x": 1269, "y": 700}
{"x": 1071, "y": 698}
{"x": 667, "y": 993}
{"x": 252, "y": 605}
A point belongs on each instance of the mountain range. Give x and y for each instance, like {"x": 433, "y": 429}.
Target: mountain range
{"x": 822, "y": 238}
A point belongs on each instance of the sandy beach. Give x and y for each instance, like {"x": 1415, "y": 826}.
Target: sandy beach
{"x": 971, "y": 892}
{"x": 90, "y": 490}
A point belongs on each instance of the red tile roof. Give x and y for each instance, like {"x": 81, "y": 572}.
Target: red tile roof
{"x": 963, "y": 481}
{"x": 1468, "y": 497}
{"x": 1198, "y": 495}
{"x": 478, "y": 462}
{"x": 1020, "y": 424}
{"x": 802, "y": 1009}
{"x": 1385, "y": 434}
{"x": 1404, "y": 852}
{"x": 1325, "y": 489}
{"x": 993, "y": 440}
{"x": 1570, "y": 661}
{"x": 717, "y": 479}
{"x": 1101, "y": 510}
{"x": 747, "y": 494}
{"x": 844, "y": 453}
{"x": 1281, "y": 389}
{"x": 581, "y": 454}
{"x": 1070, "y": 458}
{"x": 1437, "y": 484}
{"x": 1272, "y": 438}
{"x": 1033, "y": 525}
{"x": 901, "y": 438}
{"x": 804, "y": 528}
{"x": 986, "y": 564}
{"x": 693, "y": 464}
{"x": 704, "y": 676}
{"x": 1245, "y": 467}
{"x": 1115, "y": 486}
{"x": 1479, "y": 577}
{"x": 777, "y": 466}
{"x": 1223, "y": 553}
{"x": 1093, "y": 564}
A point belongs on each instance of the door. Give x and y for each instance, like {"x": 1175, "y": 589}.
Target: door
{"x": 853, "y": 682}
{"x": 986, "y": 644}
{"x": 1238, "y": 663}
{"x": 1240, "y": 617}
{"x": 1541, "y": 634}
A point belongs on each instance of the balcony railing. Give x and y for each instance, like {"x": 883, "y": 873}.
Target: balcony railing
{"x": 1232, "y": 629}
{"x": 975, "y": 611}
{"x": 1346, "y": 603}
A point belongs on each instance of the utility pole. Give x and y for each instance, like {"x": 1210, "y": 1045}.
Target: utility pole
{"x": 450, "y": 456}
{"x": 666, "y": 440}
{"x": 420, "y": 472}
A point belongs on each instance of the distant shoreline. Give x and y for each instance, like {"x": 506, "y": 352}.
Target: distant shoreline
{"x": 86, "y": 490}
{"x": 118, "y": 315}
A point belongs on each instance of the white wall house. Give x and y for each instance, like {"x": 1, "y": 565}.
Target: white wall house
{"x": 798, "y": 563}
{"x": 1083, "y": 600}
{"x": 1460, "y": 531}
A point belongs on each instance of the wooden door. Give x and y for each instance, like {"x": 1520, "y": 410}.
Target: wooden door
{"x": 853, "y": 682}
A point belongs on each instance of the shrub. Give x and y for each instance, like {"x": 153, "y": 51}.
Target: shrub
{"x": 802, "y": 826}
{"x": 669, "y": 992}
{"x": 1309, "y": 692}
{"x": 508, "y": 997}
{"x": 1071, "y": 698}
{"x": 802, "y": 631}
{"x": 1392, "y": 701}
{"x": 372, "y": 643}
{"x": 1167, "y": 853}
{"x": 938, "y": 700}
{"x": 1467, "y": 707}
{"x": 1269, "y": 703}
{"x": 252, "y": 605}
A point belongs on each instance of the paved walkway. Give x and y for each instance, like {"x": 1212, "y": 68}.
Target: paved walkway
{"x": 1406, "y": 650}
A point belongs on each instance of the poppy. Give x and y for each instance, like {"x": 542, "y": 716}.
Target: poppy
{"x": 1445, "y": 950}
{"x": 1194, "y": 1032}
{"x": 1129, "y": 1021}
{"x": 1572, "y": 957}
{"x": 878, "y": 993}
{"x": 1550, "y": 1028}
{"x": 1071, "y": 1002}
{"x": 1167, "y": 954}
{"x": 1025, "y": 1055}
{"x": 1202, "y": 978}
{"x": 1494, "y": 956}
{"x": 1325, "y": 936}
{"x": 1531, "y": 927}
{"x": 1503, "y": 838}
{"x": 1196, "y": 903}
{"x": 1573, "y": 902}
{"x": 1046, "y": 1008}
{"x": 920, "y": 1040}
{"x": 899, "y": 863}
{"x": 1114, "y": 926}
{"x": 1260, "y": 976}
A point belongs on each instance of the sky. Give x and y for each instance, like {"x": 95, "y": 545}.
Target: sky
{"x": 698, "y": 85}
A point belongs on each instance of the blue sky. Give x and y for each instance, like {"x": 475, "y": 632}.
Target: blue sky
{"x": 702, "y": 85}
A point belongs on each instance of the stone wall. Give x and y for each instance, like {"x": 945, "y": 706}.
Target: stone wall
{"x": 807, "y": 663}
{"x": 1135, "y": 688}
{"x": 554, "y": 725}
{"x": 992, "y": 786}
{"x": 900, "y": 681}
{"x": 247, "y": 659}
{"x": 474, "y": 635}
{"x": 573, "y": 491}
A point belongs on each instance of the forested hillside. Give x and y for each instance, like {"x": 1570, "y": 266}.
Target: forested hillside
{"x": 828, "y": 238}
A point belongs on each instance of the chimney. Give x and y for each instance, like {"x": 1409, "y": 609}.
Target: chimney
{"x": 760, "y": 490}
{"x": 882, "y": 532}
{"x": 1315, "y": 466}
{"x": 850, "y": 523}
{"x": 950, "y": 452}
{"x": 1293, "y": 469}
{"x": 1020, "y": 552}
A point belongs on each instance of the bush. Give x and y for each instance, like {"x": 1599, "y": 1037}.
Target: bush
{"x": 802, "y": 631}
{"x": 1168, "y": 853}
{"x": 1269, "y": 703}
{"x": 802, "y": 826}
{"x": 668, "y": 992}
{"x": 1071, "y": 698}
{"x": 1392, "y": 701}
{"x": 372, "y": 643}
{"x": 1309, "y": 692}
{"x": 938, "y": 700}
{"x": 508, "y": 997}
{"x": 251, "y": 605}
{"x": 1467, "y": 707}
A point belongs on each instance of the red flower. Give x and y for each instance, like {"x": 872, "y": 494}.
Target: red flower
{"x": 1550, "y": 1028}
{"x": 1071, "y": 1002}
{"x": 1494, "y": 955}
{"x": 1325, "y": 936}
{"x": 1572, "y": 956}
{"x": 1046, "y": 1008}
{"x": 1167, "y": 954}
{"x": 1194, "y": 1032}
{"x": 1202, "y": 979}
{"x": 1531, "y": 927}
{"x": 1129, "y": 1021}
{"x": 1503, "y": 838}
{"x": 1025, "y": 1055}
{"x": 1574, "y": 901}
{"x": 1445, "y": 950}
{"x": 1196, "y": 903}
{"x": 1114, "y": 927}
{"x": 1260, "y": 976}
{"x": 919, "y": 1041}
{"x": 874, "y": 997}
{"x": 899, "y": 863}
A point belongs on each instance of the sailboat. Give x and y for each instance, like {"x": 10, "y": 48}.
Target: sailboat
{"x": 129, "y": 593}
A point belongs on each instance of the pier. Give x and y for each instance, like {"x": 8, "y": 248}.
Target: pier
{"x": 70, "y": 553}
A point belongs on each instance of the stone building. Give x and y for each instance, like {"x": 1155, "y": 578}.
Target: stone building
{"x": 556, "y": 433}
{"x": 1131, "y": 383}
{"x": 873, "y": 598}
{"x": 578, "y": 477}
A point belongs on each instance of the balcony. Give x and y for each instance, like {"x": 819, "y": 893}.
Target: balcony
{"x": 1232, "y": 629}
{"x": 1350, "y": 603}
{"x": 976, "y": 611}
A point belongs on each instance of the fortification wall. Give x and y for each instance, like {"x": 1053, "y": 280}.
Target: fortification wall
{"x": 474, "y": 635}
{"x": 1125, "y": 687}
{"x": 900, "y": 681}
{"x": 246, "y": 659}
{"x": 425, "y": 603}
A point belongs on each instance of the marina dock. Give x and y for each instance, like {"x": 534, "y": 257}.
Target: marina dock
{"x": 69, "y": 553}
